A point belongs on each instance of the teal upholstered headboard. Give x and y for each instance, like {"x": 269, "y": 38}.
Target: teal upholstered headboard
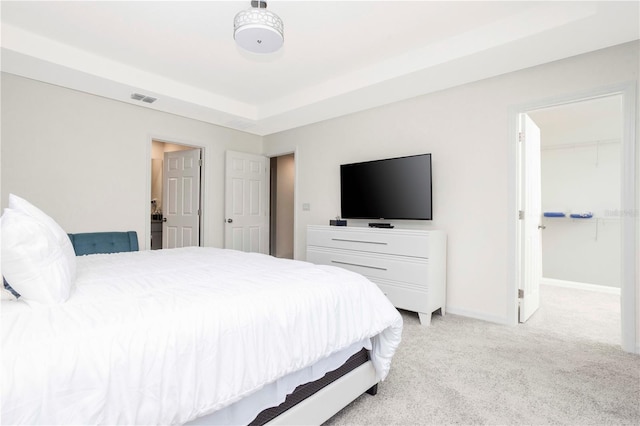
{"x": 104, "y": 242}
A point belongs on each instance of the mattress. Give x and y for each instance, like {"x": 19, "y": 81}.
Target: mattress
{"x": 168, "y": 336}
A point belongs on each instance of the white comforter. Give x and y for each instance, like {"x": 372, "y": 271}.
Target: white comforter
{"x": 163, "y": 337}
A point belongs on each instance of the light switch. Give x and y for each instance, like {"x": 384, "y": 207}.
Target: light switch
{"x": 306, "y": 207}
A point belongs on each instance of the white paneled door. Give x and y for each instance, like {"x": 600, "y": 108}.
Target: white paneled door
{"x": 530, "y": 218}
{"x": 246, "y": 203}
{"x": 181, "y": 199}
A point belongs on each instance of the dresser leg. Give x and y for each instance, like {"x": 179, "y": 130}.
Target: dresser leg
{"x": 425, "y": 319}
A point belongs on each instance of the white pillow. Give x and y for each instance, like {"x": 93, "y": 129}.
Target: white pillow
{"x": 33, "y": 262}
{"x": 22, "y": 205}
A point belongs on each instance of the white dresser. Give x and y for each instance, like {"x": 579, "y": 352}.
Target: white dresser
{"x": 409, "y": 266}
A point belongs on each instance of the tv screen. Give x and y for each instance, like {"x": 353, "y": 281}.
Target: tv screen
{"x": 394, "y": 188}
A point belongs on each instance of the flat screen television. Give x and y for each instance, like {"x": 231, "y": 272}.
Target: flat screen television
{"x": 393, "y": 188}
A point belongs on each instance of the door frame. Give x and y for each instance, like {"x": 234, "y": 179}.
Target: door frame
{"x": 147, "y": 209}
{"x": 296, "y": 162}
{"x": 271, "y": 195}
{"x": 530, "y": 238}
{"x": 628, "y": 205}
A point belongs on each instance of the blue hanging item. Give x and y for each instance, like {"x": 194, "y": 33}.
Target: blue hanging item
{"x": 585, "y": 215}
{"x": 554, "y": 214}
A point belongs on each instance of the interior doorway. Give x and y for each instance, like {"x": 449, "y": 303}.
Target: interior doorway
{"x": 281, "y": 206}
{"x": 627, "y": 198}
{"x": 168, "y": 226}
{"x": 259, "y": 203}
{"x": 580, "y": 190}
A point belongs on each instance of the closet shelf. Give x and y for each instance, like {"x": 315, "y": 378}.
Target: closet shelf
{"x": 580, "y": 216}
{"x": 581, "y": 144}
{"x": 584, "y": 215}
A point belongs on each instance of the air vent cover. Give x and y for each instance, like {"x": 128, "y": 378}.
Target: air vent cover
{"x": 143, "y": 98}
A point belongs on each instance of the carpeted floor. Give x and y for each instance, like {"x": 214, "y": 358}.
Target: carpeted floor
{"x": 564, "y": 366}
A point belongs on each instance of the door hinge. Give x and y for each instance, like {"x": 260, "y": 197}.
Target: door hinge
{"x": 198, "y": 212}
{"x": 200, "y": 162}
{"x": 520, "y": 136}
{"x": 520, "y": 293}
{"x": 521, "y": 214}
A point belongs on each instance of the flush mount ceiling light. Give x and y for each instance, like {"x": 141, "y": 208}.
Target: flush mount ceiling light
{"x": 258, "y": 30}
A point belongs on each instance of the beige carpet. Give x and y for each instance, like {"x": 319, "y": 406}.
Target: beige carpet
{"x": 564, "y": 366}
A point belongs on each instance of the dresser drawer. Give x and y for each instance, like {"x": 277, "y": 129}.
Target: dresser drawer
{"x": 406, "y": 298}
{"x": 409, "y": 270}
{"x": 388, "y": 241}
{"x": 408, "y": 265}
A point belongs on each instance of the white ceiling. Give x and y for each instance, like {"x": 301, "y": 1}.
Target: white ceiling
{"x": 592, "y": 119}
{"x": 339, "y": 57}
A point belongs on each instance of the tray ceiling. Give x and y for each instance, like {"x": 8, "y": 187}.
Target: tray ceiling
{"x": 338, "y": 57}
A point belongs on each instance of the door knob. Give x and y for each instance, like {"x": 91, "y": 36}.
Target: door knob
{"x": 164, "y": 219}
{"x": 542, "y": 227}
{"x": 229, "y": 220}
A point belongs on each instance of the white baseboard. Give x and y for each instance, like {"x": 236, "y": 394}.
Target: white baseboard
{"x": 476, "y": 315}
{"x": 581, "y": 286}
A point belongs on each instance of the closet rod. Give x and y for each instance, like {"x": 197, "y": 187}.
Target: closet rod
{"x": 581, "y": 144}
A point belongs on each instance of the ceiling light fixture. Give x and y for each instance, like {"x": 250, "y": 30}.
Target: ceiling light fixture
{"x": 258, "y": 30}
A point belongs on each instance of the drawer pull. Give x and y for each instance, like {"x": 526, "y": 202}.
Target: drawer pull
{"x": 357, "y": 264}
{"x": 360, "y": 241}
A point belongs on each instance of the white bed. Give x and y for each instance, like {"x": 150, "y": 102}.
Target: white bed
{"x": 172, "y": 336}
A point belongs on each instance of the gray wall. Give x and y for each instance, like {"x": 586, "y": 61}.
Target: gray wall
{"x": 581, "y": 170}
{"x": 85, "y": 160}
{"x": 466, "y": 130}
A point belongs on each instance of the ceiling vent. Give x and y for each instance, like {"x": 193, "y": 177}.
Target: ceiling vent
{"x": 143, "y": 98}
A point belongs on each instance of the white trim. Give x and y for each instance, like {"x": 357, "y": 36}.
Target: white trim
{"x": 147, "y": 208}
{"x": 296, "y": 189}
{"x": 629, "y": 203}
{"x": 513, "y": 205}
{"x": 580, "y": 286}
{"x": 629, "y": 229}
